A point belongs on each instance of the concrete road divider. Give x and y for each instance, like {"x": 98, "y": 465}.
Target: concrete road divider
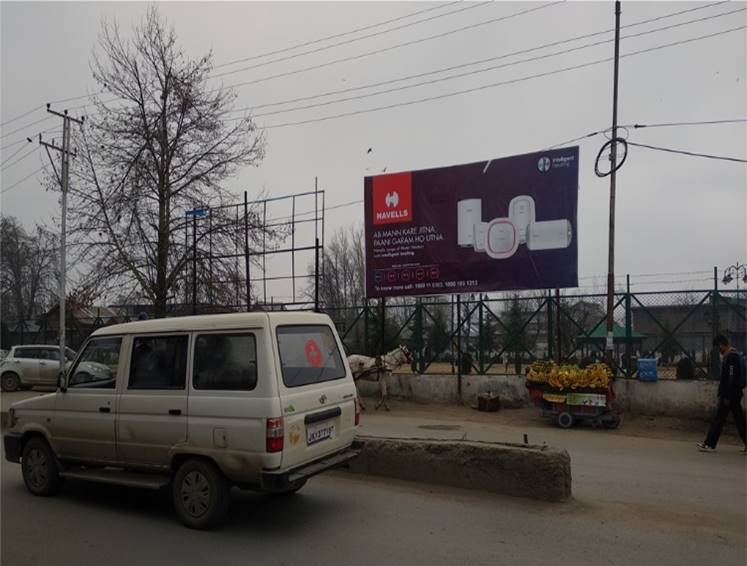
{"x": 538, "y": 472}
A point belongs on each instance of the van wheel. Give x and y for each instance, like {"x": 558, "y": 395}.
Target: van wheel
{"x": 10, "y": 382}
{"x": 201, "y": 494}
{"x": 41, "y": 473}
{"x": 565, "y": 420}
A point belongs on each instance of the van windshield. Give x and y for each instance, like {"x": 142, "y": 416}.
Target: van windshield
{"x": 309, "y": 354}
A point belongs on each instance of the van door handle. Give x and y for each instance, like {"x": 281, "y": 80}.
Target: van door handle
{"x": 105, "y": 410}
{"x": 175, "y": 411}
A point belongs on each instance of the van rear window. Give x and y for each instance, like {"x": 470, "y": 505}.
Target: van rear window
{"x": 309, "y": 354}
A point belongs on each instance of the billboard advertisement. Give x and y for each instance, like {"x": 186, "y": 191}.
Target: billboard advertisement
{"x": 505, "y": 224}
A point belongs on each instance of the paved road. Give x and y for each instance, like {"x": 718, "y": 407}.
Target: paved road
{"x": 637, "y": 500}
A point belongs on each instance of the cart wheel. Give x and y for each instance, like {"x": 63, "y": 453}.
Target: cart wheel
{"x": 611, "y": 421}
{"x": 565, "y": 420}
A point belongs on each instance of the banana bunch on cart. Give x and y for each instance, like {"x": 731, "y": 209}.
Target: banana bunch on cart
{"x": 570, "y": 377}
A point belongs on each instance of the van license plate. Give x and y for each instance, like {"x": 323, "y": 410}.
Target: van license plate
{"x": 319, "y": 431}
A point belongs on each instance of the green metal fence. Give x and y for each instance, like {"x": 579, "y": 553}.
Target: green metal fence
{"x": 488, "y": 335}
{"x": 480, "y": 334}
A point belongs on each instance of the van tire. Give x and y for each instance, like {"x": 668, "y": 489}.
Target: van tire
{"x": 201, "y": 494}
{"x": 10, "y": 382}
{"x": 41, "y": 472}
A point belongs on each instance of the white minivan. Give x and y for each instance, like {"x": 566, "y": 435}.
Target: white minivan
{"x": 257, "y": 400}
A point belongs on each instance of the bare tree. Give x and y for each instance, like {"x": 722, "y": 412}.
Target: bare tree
{"x": 28, "y": 263}
{"x": 343, "y": 284}
{"x": 160, "y": 141}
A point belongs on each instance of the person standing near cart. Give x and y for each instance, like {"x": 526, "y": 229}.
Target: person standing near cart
{"x": 729, "y": 395}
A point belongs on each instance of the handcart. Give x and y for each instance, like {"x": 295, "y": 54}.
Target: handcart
{"x": 566, "y": 407}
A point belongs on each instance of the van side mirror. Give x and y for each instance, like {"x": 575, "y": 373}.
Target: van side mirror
{"x": 61, "y": 383}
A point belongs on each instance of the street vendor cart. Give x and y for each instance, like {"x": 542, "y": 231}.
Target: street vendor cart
{"x": 568, "y": 394}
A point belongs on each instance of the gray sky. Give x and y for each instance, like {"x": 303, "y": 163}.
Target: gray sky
{"x": 675, "y": 214}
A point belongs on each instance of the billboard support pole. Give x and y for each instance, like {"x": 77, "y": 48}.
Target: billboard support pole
{"x": 459, "y": 344}
{"x": 246, "y": 254}
{"x": 613, "y": 178}
{"x": 382, "y": 351}
{"x": 550, "y": 337}
{"x": 558, "y": 352}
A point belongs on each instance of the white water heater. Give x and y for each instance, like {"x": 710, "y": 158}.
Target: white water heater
{"x": 549, "y": 235}
{"x": 501, "y": 241}
{"x": 522, "y": 213}
{"x": 469, "y": 213}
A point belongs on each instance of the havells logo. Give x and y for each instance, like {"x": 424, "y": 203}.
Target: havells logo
{"x": 392, "y": 198}
{"x": 544, "y": 164}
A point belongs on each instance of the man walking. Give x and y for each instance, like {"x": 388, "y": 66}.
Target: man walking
{"x": 729, "y": 395}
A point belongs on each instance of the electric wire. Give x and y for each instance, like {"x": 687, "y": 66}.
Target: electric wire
{"x": 688, "y": 153}
{"x": 30, "y": 152}
{"x": 26, "y": 126}
{"x": 502, "y": 56}
{"x": 503, "y": 83}
{"x": 19, "y": 150}
{"x": 335, "y": 36}
{"x": 470, "y": 6}
{"x": 14, "y": 185}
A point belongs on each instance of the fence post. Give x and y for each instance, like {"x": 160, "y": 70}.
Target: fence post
{"x": 628, "y": 331}
{"x": 481, "y": 337}
{"x": 419, "y": 339}
{"x": 383, "y": 326}
{"x": 459, "y": 345}
{"x": 715, "y": 361}
{"x": 550, "y": 337}
{"x": 365, "y": 326}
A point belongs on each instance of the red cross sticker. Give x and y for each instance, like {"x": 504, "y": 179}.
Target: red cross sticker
{"x": 313, "y": 354}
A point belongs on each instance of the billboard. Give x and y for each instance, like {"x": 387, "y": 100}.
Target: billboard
{"x": 505, "y": 224}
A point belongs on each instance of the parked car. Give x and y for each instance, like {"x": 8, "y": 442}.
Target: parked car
{"x": 26, "y": 366}
{"x": 258, "y": 400}
{"x": 3, "y": 354}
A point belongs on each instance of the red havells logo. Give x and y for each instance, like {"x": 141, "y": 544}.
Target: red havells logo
{"x": 392, "y": 198}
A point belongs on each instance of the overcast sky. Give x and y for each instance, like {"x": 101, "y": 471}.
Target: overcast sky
{"x": 675, "y": 214}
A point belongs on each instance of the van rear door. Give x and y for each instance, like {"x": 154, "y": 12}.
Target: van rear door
{"x": 317, "y": 393}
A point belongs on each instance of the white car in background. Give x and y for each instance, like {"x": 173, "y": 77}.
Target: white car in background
{"x": 26, "y": 366}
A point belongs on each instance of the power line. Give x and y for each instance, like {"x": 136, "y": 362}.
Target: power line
{"x": 14, "y": 185}
{"x": 19, "y": 150}
{"x": 35, "y": 109}
{"x": 498, "y": 57}
{"x": 689, "y": 153}
{"x": 502, "y": 83}
{"x": 24, "y": 127}
{"x": 392, "y": 47}
{"x": 492, "y": 68}
{"x": 335, "y": 36}
{"x": 30, "y": 152}
{"x": 697, "y": 8}
{"x": 703, "y": 123}
{"x": 470, "y": 6}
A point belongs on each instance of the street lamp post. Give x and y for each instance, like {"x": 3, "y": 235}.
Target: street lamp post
{"x": 736, "y": 272}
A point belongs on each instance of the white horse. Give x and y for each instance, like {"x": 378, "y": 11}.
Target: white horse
{"x": 376, "y": 369}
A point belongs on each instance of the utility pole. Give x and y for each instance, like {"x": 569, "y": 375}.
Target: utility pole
{"x": 609, "y": 345}
{"x": 64, "y": 180}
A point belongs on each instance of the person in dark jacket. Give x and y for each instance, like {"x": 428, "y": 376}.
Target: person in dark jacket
{"x": 729, "y": 395}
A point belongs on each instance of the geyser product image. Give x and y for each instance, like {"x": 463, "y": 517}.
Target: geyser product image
{"x": 469, "y": 213}
{"x": 501, "y": 241}
{"x": 480, "y": 230}
{"x": 549, "y": 235}
{"x": 521, "y": 212}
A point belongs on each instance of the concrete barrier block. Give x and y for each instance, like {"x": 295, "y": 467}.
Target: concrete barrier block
{"x": 537, "y": 472}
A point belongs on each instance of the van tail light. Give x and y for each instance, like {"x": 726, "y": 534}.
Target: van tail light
{"x": 275, "y": 434}
{"x": 357, "y": 411}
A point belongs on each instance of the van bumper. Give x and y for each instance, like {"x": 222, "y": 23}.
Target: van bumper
{"x": 289, "y": 479}
{"x": 12, "y": 446}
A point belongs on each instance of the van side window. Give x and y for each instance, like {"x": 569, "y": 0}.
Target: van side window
{"x": 158, "y": 362}
{"x": 97, "y": 365}
{"x": 225, "y": 362}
